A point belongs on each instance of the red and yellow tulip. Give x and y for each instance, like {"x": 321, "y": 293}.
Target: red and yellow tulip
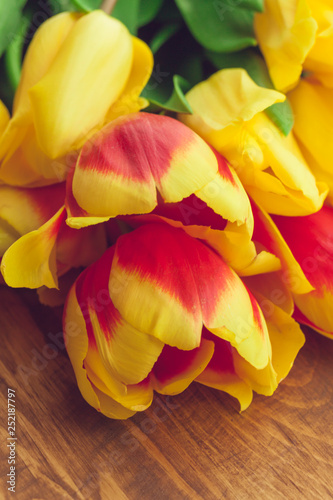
{"x": 161, "y": 309}
{"x": 80, "y": 72}
{"x": 304, "y": 246}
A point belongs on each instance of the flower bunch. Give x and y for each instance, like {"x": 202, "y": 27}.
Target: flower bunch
{"x": 186, "y": 240}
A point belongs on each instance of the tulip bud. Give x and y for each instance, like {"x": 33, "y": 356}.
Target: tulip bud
{"x": 80, "y": 72}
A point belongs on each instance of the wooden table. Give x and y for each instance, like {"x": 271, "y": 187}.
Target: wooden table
{"x": 195, "y": 445}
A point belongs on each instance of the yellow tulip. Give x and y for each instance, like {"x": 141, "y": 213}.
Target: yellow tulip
{"x": 80, "y": 72}
{"x": 228, "y": 114}
{"x": 313, "y": 107}
{"x": 296, "y": 35}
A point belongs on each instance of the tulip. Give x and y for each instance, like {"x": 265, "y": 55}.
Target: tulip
{"x": 161, "y": 309}
{"x": 311, "y": 243}
{"x": 80, "y": 72}
{"x": 228, "y": 114}
{"x": 313, "y": 107}
{"x": 121, "y": 168}
{"x": 150, "y": 164}
{"x": 36, "y": 245}
{"x": 296, "y": 36}
{"x": 286, "y": 32}
{"x": 319, "y": 60}
{"x": 305, "y": 248}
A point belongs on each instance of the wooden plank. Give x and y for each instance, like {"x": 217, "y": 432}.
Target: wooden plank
{"x": 195, "y": 445}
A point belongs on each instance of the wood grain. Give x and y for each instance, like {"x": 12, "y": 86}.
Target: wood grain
{"x": 195, "y": 445}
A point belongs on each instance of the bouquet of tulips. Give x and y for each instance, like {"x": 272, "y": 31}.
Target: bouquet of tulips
{"x": 166, "y": 175}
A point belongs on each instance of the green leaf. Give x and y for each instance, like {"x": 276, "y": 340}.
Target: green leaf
{"x": 280, "y": 113}
{"x": 220, "y": 25}
{"x": 148, "y": 10}
{"x": 127, "y": 11}
{"x": 10, "y": 17}
{"x": 86, "y": 5}
{"x": 13, "y": 54}
{"x": 257, "y": 5}
{"x": 176, "y": 103}
{"x": 163, "y": 35}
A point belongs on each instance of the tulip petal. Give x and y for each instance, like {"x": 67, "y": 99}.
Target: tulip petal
{"x": 175, "y": 369}
{"x": 76, "y": 341}
{"x": 226, "y": 196}
{"x": 287, "y": 186}
{"x": 4, "y": 117}
{"x": 266, "y": 233}
{"x": 286, "y": 338}
{"x": 119, "y": 171}
{"x": 274, "y": 288}
{"x": 76, "y": 216}
{"x": 301, "y": 318}
{"x": 27, "y": 209}
{"x": 91, "y": 72}
{"x": 124, "y": 352}
{"x": 221, "y": 374}
{"x": 110, "y": 408}
{"x": 319, "y": 60}
{"x": 129, "y": 101}
{"x": 154, "y": 287}
{"x": 80, "y": 247}
{"x": 31, "y": 261}
{"x": 138, "y": 398}
{"x": 40, "y": 55}
{"x": 311, "y": 243}
{"x": 226, "y": 99}
{"x": 247, "y": 330}
{"x": 315, "y": 140}
{"x": 285, "y": 32}
{"x": 285, "y": 335}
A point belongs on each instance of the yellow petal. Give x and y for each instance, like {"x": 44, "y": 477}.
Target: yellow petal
{"x": 285, "y": 32}
{"x": 142, "y": 67}
{"x": 76, "y": 341}
{"x": 31, "y": 261}
{"x": 313, "y": 104}
{"x": 285, "y": 335}
{"x": 4, "y": 117}
{"x": 87, "y": 75}
{"x": 320, "y": 60}
{"x": 24, "y": 210}
{"x": 221, "y": 372}
{"x": 267, "y": 233}
{"x": 223, "y": 102}
{"x": 40, "y": 55}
